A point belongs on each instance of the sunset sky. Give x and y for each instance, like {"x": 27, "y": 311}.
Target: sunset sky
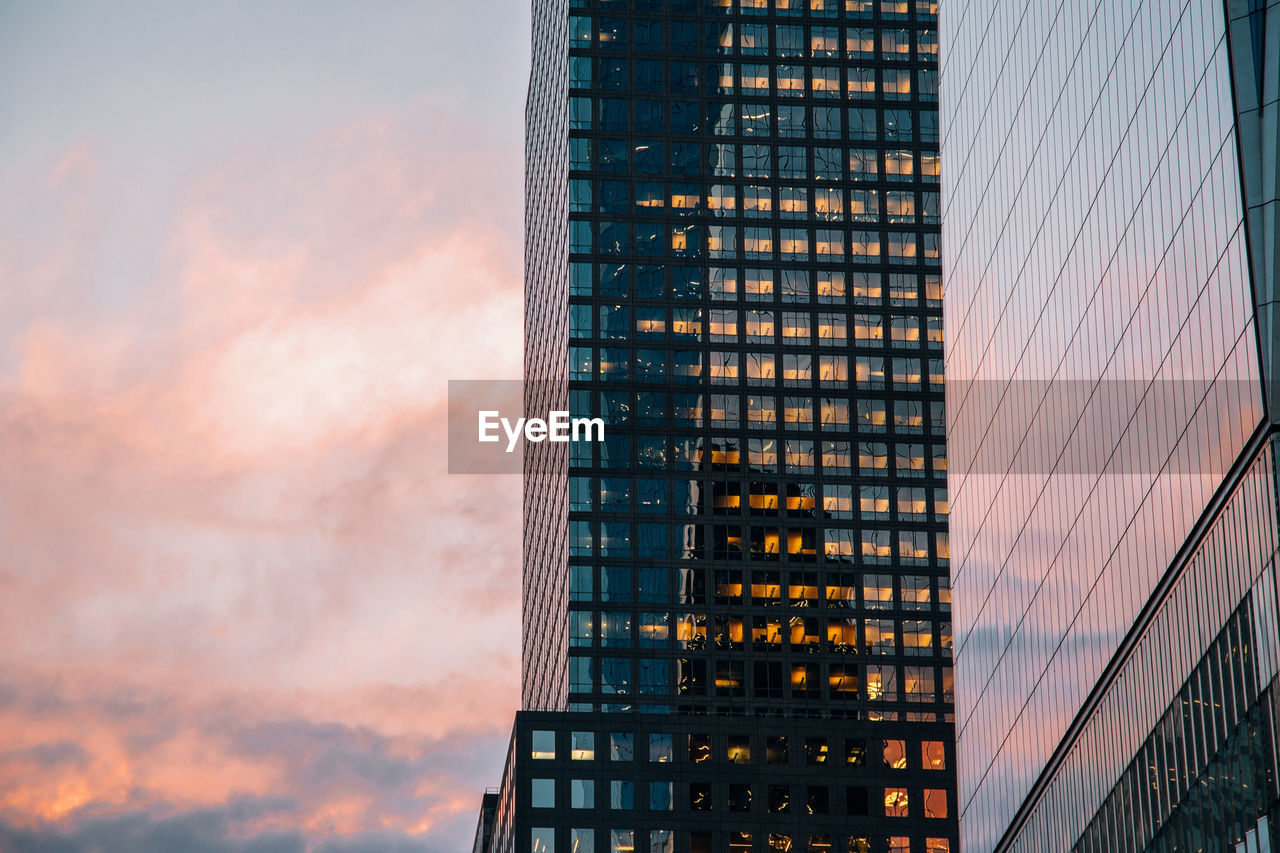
{"x": 243, "y": 248}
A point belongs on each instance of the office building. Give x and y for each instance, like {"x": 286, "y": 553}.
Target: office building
{"x": 736, "y": 606}
{"x": 1109, "y": 232}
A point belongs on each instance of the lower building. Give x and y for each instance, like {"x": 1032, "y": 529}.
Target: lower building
{"x": 662, "y": 784}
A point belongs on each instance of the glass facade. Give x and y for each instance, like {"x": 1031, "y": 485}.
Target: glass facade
{"x": 733, "y": 217}
{"x": 1112, "y": 476}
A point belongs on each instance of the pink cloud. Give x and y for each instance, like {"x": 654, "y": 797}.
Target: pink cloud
{"x": 230, "y": 552}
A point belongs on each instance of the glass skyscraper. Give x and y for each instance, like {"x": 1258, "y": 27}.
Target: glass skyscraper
{"x": 1109, "y": 221}
{"x": 736, "y": 607}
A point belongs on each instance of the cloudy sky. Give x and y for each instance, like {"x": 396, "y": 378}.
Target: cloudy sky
{"x": 243, "y": 246}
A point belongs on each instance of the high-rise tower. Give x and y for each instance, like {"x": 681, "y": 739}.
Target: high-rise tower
{"x": 737, "y": 629}
{"x": 1110, "y": 229}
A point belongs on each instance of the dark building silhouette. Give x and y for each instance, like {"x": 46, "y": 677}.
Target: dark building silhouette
{"x": 1110, "y": 227}
{"x": 736, "y": 607}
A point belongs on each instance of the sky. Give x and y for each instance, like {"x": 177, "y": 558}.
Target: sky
{"x": 243, "y": 248}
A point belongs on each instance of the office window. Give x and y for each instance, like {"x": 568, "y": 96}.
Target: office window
{"x": 542, "y": 793}
{"x": 543, "y": 745}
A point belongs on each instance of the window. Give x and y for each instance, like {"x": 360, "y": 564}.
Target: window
{"x": 582, "y": 746}
{"x": 543, "y": 745}
{"x": 815, "y": 750}
{"x": 660, "y": 841}
{"x": 620, "y": 747}
{"x": 542, "y": 839}
{"x": 621, "y": 794}
{"x": 740, "y": 801}
{"x": 542, "y": 793}
{"x": 739, "y": 749}
{"x": 582, "y": 794}
{"x": 622, "y": 841}
{"x": 882, "y": 682}
{"x": 582, "y": 841}
{"x": 918, "y": 683}
{"x": 935, "y": 802}
{"x": 776, "y": 750}
{"x": 895, "y": 802}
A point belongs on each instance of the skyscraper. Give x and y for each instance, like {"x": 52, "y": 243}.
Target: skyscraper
{"x": 736, "y": 606}
{"x": 1110, "y": 237}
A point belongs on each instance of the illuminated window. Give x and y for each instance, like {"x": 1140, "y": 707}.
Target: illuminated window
{"x": 723, "y": 325}
{"x": 754, "y": 79}
{"x": 896, "y": 44}
{"x": 873, "y": 502}
{"x": 860, "y": 42}
{"x": 897, "y": 86}
{"x": 834, "y": 370}
{"x": 899, "y": 165}
{"x": 543, "y": 745}
{"x": 828, "y": 203}
{"x": 790, "y": 79}
{"x": 873, "y": 457}
{"x": 879, "y": 636}
{"x": 933, "y": 755}
{"x": 834, "y": 411}
{"x": 830, "y": 286}
{"x": 918, "y": 683}
{"x": 843, "y": 683}
{"x": 832, "y": 329}
{"x": 864, "y": 164}
{"x": 542, "y": 839}
{"x": 837, "y": 457}
{"x": 724, "y": 367}
{"x": 895, "y": 802}
{"x": 582, "y": 841}
{"x": 868, "y": 372}
{"x": 864, "y": 205}
{"x": 759, "y": 326}
{"x": 621, "y": 841}
{"x": 757, "y": 243}
{"x": 864, "y": 246}
{"x": 842, "y": 635}
{"x": 795, "y": 327}
{"x": 824, "y": 42}
{"x": 828, "y": 243}
{"x": 793, "y": 203}
{"x": 799, "y": 456}
{"x": 877, "y": 592}
{"x": 882, "y": 682}
{"x": 826, "y": 81}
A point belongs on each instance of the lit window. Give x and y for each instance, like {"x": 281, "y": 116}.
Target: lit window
{"x": 582, "y": 841}
{"x": 582, "y": 746}
{"x": 621, "y": 841}
{"x": 543, "y": 745}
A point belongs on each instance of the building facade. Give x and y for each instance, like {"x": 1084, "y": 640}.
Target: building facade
{"x": 736, "y": 607}
{"x": 1110, "y": 253}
